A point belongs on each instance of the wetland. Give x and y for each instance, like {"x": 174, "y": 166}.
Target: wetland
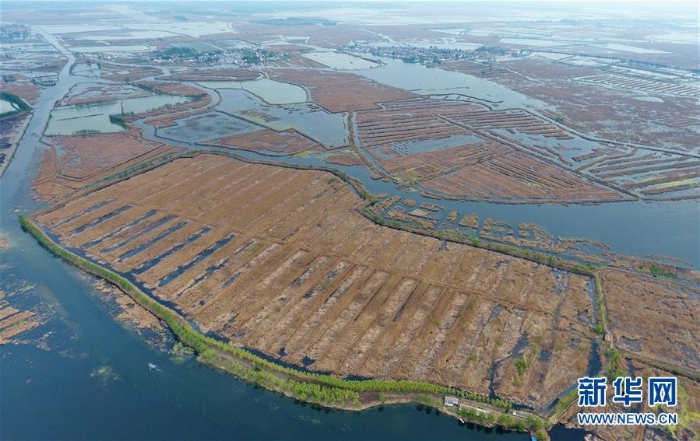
{"x": 339, "y": 230}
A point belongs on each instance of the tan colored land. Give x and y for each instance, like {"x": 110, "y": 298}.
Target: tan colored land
{"x": 171, "y": 88}
{"x": 85, "y": 93}
{"x": 11, "y": 130}
{"x": 289, "y": 141}
{"x": 642, "y": 309}
{"x": 22, "y": 87}
{"x": 13, "y": 321}
{"x": 116, "y": 72}
{"x": 74, "y": 161}
{"x": 290, "y": 264}
{"x": 339, "y": 91}
{"x": 490, "y": 166}
{"x": 583, "y": 95}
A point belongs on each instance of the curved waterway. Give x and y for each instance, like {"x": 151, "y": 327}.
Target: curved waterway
{"x": 637, "y": 228}
{"x": 52, "y": 394}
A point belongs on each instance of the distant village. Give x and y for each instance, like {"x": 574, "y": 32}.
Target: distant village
{"x": 431, "y": 55}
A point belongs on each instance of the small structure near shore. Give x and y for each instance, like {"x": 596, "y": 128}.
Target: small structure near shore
{"x": 451, "y": 401}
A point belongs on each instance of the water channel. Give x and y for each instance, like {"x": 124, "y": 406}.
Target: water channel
{"x": 51, "y": 394}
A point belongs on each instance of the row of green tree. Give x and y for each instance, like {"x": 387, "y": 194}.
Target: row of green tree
{"x": 207, "y": 347}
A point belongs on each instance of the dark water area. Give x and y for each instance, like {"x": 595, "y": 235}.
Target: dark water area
{"x": 48, "y": 396}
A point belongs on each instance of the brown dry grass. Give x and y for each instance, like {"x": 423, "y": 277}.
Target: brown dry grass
{"x": 289, "y": 141}
{"x": 339, "y": 91}
{"x": 654, "y": 317}
{"x": 14, "y": 321}
{"x": 492, "y": 167}
{"x": 78, "y": 160}
{"x": 22, "y": 87}
{"x": 306, "y": 272}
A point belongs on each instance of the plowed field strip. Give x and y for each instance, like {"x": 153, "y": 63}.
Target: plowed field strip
{"x": 7, "y": 311}
{"x": 116, "y": 226}
{"x": 220, "y": 196}
{"x": 424, "y": 335}
{"x": 446, "y": 322}
{"x": 176, "y": 248}
{"x": 366, "y": 344}
{"x": 200, "y": 198}
{"x": 360, "y": 298}
{"x": 292, "y": 288}
{"x": 465, "y": 337}
{"x": 159, "y": 247}
{"x": 242, "y": 261}
{"x": 322, "y": 318}
{"x": 281, "y": 203}
{"x": 17, "y": 328}
{"x": 470, "y": 263}
{"x": 85, "y": 218}
{"x": 393, "y": 343}
{"x": 204, "y": 268}
{"x": 267, "y": 217}
{"x": 285, "y": 299}
{"x": 213, "y": 244}
{"x": 459, "y": 345}
{"x": 191, "y": 172}
{"x": 261, "y": 273}
{"x": 255, "y": 208}
{"x": 330, "y": 237}
{"x": 191, "y": 176}
{"x": 15, "y": 319}
{"x": 443, "y": 263}
{"x": 335, "y": 358}
{"x": 298, "y": 314}
{"x": 315, "y": 212}
{"x": 77, "y": 207}
{"x": 147, "y": 237}
{"x": 413, "y": 257}
{"x": 96, "y": 222}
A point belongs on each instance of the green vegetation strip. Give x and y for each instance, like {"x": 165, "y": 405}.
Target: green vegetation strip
{"x": 307, "y": 386}
{"x": 17, "y": 101}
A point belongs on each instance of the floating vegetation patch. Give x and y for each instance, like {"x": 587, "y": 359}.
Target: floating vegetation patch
{"x": 104, "y": 374}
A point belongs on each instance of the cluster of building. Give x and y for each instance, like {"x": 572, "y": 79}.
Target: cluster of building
{"x": 428, "y": 56}
{"x": 240, "y": 57}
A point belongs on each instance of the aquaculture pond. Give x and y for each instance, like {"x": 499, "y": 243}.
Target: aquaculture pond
{"x": 433, "y": 81}
{"x": 307, "y": 118}
{"x": 6, "y": 107}
{"x": 271, "y": 91}
{"x": 639, "y": 228}
{"x": 95, "y": 117}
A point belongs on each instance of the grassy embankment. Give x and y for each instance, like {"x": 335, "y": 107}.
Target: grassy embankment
{"x": 306, "y": 386}
{"x": 17, "y": 101}
{"x": 372, "y": 392}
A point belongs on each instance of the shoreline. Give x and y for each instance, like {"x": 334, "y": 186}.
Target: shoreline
{"x": 10, "y": 155}
{"x": 324, "y": 390}
{"x": 321, "y": 389}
